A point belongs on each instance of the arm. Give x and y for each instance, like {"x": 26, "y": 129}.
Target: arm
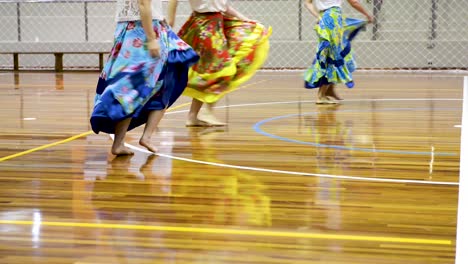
{"x": 171, "y": 12}
{"x": 233, "y": 12}
{"x": 356, "y": 5}
{"x": 147, "y": 23}
{"x": 311, "y": 7}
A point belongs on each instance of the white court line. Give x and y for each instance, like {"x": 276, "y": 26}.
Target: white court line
{"x": 342, "y": 177}
{"x": 312, "y": 101}
{"x": 461, "y": 256}
{"x": 382, "y": 72}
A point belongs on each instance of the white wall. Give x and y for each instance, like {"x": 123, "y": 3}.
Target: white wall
{"x": 402, "y": 43}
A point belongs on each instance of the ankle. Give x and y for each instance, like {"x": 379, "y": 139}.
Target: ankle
{"x": 192, "y": 116}
{"x": 118, "y": 146}
{"x": 145, "y": 137}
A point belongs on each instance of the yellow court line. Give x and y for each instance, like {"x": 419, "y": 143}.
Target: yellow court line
{"x": 172, "y": 108}
{"x": 226, "y": 231}
{"x": 90, "y": 132}
{"x": 65, "y": 140}
{"x": 45, "y": 146}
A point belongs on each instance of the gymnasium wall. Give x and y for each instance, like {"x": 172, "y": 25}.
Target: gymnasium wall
{"x": 416, "y": 34}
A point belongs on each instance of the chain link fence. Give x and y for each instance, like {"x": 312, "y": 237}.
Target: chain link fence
{"x": 416, "y": 35}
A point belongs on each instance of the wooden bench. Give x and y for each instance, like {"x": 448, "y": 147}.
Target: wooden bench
{"x": 56, "y": 49}
{"x": 58, "y": 57}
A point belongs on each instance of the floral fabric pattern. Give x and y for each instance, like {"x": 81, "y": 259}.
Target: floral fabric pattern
{"x": 132, "y": 79}
{"x": 334, "y": 61}
{"x": 230, "y": 52}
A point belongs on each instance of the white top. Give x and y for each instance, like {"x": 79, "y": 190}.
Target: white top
{"x": 129, "y": 10}
{"x": 204, "y": 6}
{"x": 325, "y": 4}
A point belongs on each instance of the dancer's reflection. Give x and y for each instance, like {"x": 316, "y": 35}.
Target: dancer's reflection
{"x": 59, "y": 81}
{"x": 126, "y": 190}
{"x": 330, "y": 135}
{"x": 223, "y": 196}
{"x": 154, "y": 190}
{"x": 327, "y": 130}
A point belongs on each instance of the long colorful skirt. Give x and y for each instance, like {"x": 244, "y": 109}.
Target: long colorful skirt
{"x": 132, "y": 83}
{"x": 230, "y": 52}
{"x": 333, "y": 62}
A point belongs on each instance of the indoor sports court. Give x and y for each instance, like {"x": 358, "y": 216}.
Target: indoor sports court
{"x": 374, "y": 179}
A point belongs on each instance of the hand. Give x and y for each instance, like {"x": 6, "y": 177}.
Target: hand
{"x": 370, "y": 19}
{"x": 154, "y": 48}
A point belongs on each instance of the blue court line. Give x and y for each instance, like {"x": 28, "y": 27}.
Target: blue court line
{"x": 257, "y": 128}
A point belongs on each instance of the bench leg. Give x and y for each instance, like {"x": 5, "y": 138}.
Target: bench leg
{"x": 17, "y": 80}
{"x": 101, "y": 61}
{"x": 58, "y": 62}
{"x": 15, "y": 61}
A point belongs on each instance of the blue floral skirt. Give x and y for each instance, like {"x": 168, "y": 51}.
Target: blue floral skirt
{"x": 132, "y": 83}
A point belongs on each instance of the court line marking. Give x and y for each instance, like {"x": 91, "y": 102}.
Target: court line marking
{"x": 257, "y": 127}
{"x": 45, "y": 146}
{"x": 330, "y": 176}
{"x": 347, "y": 100}
{"x": 270, "y": 170}
{"x": 342, "y": 177}
{"x": 384, "y": 73}
{"x": 172, "y": 108}
{"x": 19, "y": 154}
{"x": 227, "y": 231}
{"x": 461, "y": 255}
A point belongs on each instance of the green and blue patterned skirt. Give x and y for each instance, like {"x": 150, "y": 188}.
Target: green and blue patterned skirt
{"x": 333, "y": 62}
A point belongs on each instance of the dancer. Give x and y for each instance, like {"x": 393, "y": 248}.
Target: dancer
{"x": 231, "y": 48}
{"x": 333, "y": 62}
{"x": 146, "y": 72}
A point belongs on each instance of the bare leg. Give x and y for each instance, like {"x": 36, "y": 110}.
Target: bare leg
{"x": 322, "y": 95}
{"x": 154, "y": 118}
{"x": 209, "y": 116}
{"x": 118, "y": 147}
{"x": 332, "y": 93}
{"x": 193, "y": 114}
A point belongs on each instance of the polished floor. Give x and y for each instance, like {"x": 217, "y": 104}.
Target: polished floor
{"x": 373, "y": 180}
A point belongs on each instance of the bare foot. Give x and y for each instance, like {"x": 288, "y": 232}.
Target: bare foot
{"x": 121, "y": 150}
{"x": 210, "y": 130}
{"x": 147, "y": 144}
{"x": 325, "y": 100}
{"x": 331, "y": 92}
{"x": 335, "y": 96}
{"x": 196, "y": 123}
{"x": 210, "y": 119}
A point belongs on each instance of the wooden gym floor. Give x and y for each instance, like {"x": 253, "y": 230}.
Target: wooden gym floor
{"x": 373, "y": 180}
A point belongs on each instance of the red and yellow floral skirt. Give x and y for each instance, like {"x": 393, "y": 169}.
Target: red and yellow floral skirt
{"x": 230, "y": 52}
